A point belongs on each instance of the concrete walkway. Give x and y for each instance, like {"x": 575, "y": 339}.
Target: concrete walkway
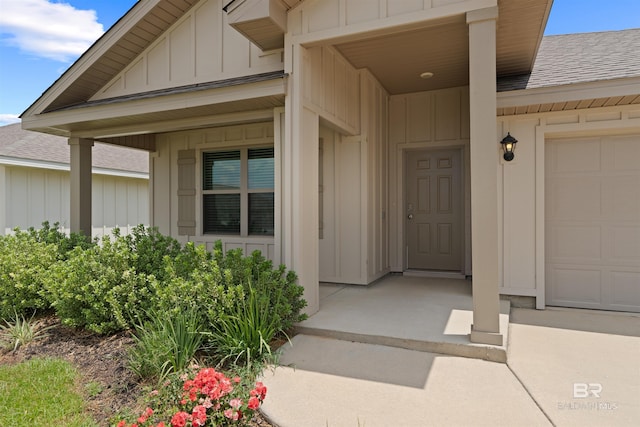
{"x": 330, "y": 382}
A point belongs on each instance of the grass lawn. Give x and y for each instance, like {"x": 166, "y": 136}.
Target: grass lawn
{"x": 41, "y": 392}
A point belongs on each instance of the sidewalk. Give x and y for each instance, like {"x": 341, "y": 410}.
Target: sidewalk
{"x": 341, "y": 383}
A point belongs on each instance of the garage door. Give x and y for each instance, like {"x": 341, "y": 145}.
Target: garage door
{"x": 592, "y": 222}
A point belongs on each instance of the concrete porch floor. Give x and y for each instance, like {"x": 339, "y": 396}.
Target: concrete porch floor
{"x": 415, "y": 313}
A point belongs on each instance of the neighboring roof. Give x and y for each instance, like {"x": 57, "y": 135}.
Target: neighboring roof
{"x": 580, "y": 58}
{"x": 17, "y": 143}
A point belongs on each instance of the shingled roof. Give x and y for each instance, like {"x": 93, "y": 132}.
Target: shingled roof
{"x": 17, "y": 143}
{"x": 580, "y": 58}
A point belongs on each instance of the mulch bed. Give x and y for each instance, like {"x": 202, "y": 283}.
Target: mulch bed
{"x": 99, "y": 359}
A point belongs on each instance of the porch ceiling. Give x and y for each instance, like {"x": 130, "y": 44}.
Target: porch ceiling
{"x": 397, "y": 60}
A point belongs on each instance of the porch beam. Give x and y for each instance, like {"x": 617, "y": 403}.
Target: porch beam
{"x": 80, "y": 185}
{"x": 484, "y": 176}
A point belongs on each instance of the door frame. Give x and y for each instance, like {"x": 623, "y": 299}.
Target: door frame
{"x": 401, "y": 158}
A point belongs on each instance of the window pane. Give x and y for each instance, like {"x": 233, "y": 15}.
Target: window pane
{"x": 221, "y": 170}
{"x": 261, "y": 168}
{"x": 261, "y": 213}
{"x": 221, "y": 213}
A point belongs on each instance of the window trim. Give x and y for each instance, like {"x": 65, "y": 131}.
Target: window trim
{"x": 244, "y": 189}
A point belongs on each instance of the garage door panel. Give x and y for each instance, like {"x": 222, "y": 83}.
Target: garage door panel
{"x": 592, "y": 222}
{"x": 577, "y": 156}
{"x": 564, "y": 289}
{"x": 625, "y": 244}
{"x": 575, "y": 198}
{"x": 576, "y": 243}
{"x": 624, "y": 152}
{"x": 621, "y": 200}
{"x": 625, "y": 290}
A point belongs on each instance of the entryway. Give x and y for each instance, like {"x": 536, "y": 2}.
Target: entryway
{"x": 434, "y": 210}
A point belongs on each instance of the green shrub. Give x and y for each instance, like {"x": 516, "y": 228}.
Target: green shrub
{"x": 242, "y": 336}
{"x": 165, "y": 344}
{"x": 149, "y": 248}
{"x": 97, "y": 288}
{"x": 24, "y": 265}
{"x": 284, "y": 294}
{"x": 64, "y": 243}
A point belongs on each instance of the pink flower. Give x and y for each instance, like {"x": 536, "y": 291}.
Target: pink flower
{"x": 154, "y": 393}
{"x": 235, "y": 403}
{"x": 122, "y": 424}
{"x": 161, "y": 424}
{"x": 232, "y": 415}
{"x": 199, "y": 416}
{"x": 236, "y": 380}
{"x": 260, "y": 391}
{"x": 254, "y": 403}
{"x": 180, "y": 419}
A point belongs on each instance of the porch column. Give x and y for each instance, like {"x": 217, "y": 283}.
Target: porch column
{"x": 300, "y": 183}
{"x": 484, "y": 176}
{"x": 80, "y": 185}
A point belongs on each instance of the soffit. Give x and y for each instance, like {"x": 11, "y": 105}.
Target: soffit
{"x": 442, "y": 47}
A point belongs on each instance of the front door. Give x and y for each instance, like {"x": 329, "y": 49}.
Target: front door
{"x": 434, "y": 210}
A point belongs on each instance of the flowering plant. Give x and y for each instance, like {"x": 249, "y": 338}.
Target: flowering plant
{"x": 210, "y": 398}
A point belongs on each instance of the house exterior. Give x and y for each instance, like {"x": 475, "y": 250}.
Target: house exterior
{"x": 34, "y": 183}
{"x": 349, "y": 139}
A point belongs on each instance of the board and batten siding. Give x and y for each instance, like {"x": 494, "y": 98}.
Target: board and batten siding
{"x": 423, "y": 120}
{"x": 200, "y": 47}
{"x": 522, "y": 185}
{"x": 352, "y": 107}
{"x": 176, "y": 169}
{"x": 34, "y": 195}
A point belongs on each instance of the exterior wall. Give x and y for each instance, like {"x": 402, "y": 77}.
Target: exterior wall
{"x": 33, "y": 195}
{"x": 326, "y": 19}
{"x": 523, "y": 181}
{"x": 352, "y": 107}
{"x": 331, "y": 88}
{"x": 166, "y": 176}
{"x": 200, "y": 47}
{"x": 421, "y": 120}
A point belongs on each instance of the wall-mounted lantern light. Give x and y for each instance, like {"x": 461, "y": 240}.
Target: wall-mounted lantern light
{"x": 508, "y": 145}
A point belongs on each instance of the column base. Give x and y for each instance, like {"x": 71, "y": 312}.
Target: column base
{"x": 490, "y": 338}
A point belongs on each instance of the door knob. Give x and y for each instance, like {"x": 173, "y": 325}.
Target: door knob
{"x": 410, "y": 216}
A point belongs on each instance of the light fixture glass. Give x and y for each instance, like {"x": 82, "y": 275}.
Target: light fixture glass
{"x": 426, "y": 75}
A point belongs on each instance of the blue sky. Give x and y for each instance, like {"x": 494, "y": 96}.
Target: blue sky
{"x": 40, "y": 39}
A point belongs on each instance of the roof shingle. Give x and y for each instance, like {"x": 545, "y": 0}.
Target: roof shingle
{"x": 580, "y": 58}
{"x": 23, "y": 144}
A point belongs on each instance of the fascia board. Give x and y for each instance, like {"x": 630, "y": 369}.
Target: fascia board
{"x": 570, "y": 92}
{"x": 156, "y": 104}
{"x": 99, "y": 48}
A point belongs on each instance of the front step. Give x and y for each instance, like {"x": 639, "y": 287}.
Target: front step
{"x": 463, "y": 349}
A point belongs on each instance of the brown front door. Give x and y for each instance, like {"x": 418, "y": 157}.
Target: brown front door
{"x": 434, "y": 210}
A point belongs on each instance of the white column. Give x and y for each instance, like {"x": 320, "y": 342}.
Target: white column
{"x": 300, "y": 183}
{"x": 3, "y": 200}
{"x": 484, "y": 176}
{"x": 80, "y": 185}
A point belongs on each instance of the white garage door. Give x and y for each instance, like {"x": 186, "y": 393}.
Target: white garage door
{"x": 592, "y": 215}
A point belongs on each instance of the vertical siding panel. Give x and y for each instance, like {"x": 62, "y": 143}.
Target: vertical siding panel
{"x": 132, "y": 202}
{"x": 109, "y": 205}
{"x": 37, "y": 198}
{"x": 97, "y": 193}
{"x": 120, "y": 201}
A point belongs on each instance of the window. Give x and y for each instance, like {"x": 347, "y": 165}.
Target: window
{"x": 237, "y": 196}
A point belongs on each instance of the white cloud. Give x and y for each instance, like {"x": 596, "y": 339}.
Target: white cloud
{"x": 47, "y": 29}
{"x": 7, "y": 119}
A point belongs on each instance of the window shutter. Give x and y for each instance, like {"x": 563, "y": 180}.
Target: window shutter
{"x": 187, "y": 192}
